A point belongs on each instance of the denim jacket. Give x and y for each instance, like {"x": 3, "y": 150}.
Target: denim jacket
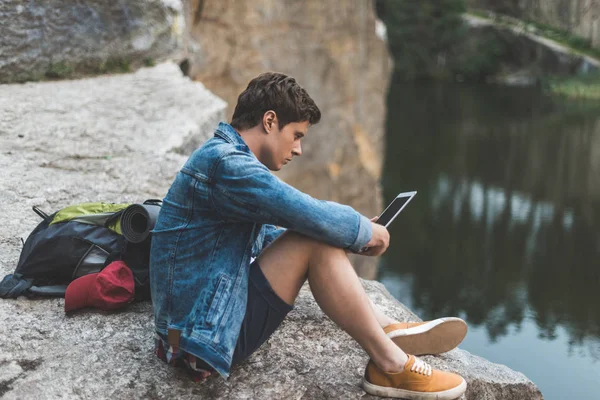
{"x": 219, "y": 212}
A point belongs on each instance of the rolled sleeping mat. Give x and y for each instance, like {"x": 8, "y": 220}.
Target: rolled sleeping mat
{"x": 138, "y": 220}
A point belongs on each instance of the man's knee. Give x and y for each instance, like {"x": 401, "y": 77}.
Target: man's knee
{"x": 312, "y": 246}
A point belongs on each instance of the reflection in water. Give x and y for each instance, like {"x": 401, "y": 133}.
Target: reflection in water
{"x": 521, "y": 208}
{"x": 515, "y": 251}
{"x": 505, "y": 227}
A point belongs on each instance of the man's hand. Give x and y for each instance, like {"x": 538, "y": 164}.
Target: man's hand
{"x": 379, "y": 241}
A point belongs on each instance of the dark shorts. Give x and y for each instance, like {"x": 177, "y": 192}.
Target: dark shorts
{"x": 264, "y": 313}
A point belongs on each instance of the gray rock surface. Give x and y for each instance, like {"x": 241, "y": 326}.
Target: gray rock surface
{"x": 120, "y": 138}
{"x": 111, "y": 138}
{"x": 109, "y": 355}
{"x": 538, "y": 55}
{"x": 61, "y": 38}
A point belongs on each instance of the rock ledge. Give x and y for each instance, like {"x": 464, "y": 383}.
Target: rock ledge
{"x": 120, "y": 138}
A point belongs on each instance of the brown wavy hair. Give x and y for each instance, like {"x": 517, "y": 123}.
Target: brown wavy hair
{"x": 277, "y": 92}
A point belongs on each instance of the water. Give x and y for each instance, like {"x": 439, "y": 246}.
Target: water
{"x": 505, "y": 229}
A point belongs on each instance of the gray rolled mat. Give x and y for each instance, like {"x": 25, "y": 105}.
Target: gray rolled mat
{"x": 138, "y": 220}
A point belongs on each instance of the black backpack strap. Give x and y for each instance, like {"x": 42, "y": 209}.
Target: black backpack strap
{"x": 39, "y": 212}
{"x": 14, "y": 285}
{"x": 52, "y": 290}
{"x": 153, "y": 202}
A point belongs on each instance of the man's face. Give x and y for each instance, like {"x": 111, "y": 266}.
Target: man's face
{"x": 283, "y": 144}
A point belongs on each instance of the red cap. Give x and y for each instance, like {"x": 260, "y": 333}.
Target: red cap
{"x": 108, "y": 289}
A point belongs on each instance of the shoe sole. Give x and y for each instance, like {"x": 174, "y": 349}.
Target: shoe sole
{"x": 435, "y": 337}
{"x": 383, "y": 391}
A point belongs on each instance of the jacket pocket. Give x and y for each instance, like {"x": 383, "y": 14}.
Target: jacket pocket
{"x": 219, "y": 301}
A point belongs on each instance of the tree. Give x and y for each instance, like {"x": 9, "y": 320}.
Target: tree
{"x": 421, "y": 33}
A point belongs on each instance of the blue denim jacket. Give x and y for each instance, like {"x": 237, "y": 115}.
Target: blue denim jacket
{"x": 219, "y": 212}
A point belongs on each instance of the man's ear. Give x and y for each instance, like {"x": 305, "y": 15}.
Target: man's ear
{"x": 270, "y": 121}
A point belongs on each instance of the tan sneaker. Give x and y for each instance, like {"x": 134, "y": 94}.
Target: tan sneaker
{"x": 429, "y": 337}
{"x": 417, "y": 381}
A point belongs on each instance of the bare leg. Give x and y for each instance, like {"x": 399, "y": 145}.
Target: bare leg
{"x": 293, "y": 258}
{"x": 382, "y": 318}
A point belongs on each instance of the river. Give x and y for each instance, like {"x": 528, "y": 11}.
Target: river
{"x": 505, "y": 228}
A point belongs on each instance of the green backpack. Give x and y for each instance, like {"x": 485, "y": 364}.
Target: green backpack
{"x": 82, "y": 239}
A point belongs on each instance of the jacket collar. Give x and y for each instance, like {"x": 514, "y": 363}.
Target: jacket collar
{"x": 227, "y": 132}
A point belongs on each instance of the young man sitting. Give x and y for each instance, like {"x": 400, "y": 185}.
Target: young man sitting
{"x": 214, "y": 306}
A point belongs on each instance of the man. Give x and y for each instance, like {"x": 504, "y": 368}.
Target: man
{"x": 214, "y": 307}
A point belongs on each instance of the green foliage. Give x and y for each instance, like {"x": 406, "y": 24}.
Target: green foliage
{"x": 421, "y": 32}
{"x": 479, "y": 57}
{"x": 112, "y": 65}
{"x": 578, "y": 87}
{"x": 59, "y": 70}
{"x": 64, "y": 70}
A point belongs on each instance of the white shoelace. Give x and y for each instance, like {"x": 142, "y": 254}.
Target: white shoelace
{"x": 421, "y": 367}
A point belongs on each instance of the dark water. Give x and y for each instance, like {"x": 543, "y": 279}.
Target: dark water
{"x": 505, "y": 229}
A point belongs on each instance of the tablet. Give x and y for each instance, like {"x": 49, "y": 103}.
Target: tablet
{"x": 391, "y": 212}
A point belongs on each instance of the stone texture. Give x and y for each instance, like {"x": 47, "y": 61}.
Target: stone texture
{"x": 332, "y": 49}
{"x": 100, "y": 139}
{"x": 579, "y": 17}
{"x": 119, "y": 138}
{"x": 109, "y": 355}
{"x": 40, "y": 39}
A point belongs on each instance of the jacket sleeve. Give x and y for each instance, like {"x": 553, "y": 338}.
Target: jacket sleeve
{"x": 245, "y": 190}
{"x": 271, "y": 233}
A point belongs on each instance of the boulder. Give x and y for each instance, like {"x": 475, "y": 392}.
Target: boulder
{"x": 62, "y": 38}
{"x": 119, "y": 138}
{"x": 123, "y": 138}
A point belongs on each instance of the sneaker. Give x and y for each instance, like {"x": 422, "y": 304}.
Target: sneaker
{"x": 417, "y": 381}
{"x": 429, "y": 337}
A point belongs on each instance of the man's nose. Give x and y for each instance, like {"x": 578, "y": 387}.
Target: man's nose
{"x": 297, "y": 151}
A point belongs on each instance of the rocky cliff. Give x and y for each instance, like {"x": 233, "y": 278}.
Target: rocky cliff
{"x": 64, "y": 39}
{"x": 523, "y": 57}
{"x": 578, "y": 17}
{"x": 332, "y": 50}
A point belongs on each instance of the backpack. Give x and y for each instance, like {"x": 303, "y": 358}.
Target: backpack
{"x": 82, "y": 239}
